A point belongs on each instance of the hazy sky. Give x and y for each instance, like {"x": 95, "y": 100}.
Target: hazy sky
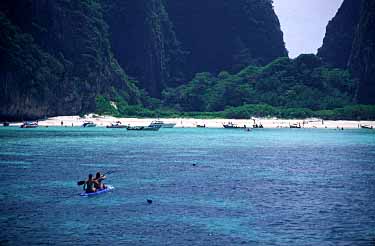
{"x": 304, "y": 23}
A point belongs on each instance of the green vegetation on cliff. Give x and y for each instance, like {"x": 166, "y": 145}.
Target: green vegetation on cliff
{"x": 300, "y": 83}
{"x": 56, "y": 58}
{"x": 28, "y": 74}
{"x": 286, "y": 88}
{"x": 351, "y": 112}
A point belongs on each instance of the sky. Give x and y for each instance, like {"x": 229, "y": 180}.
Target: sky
{"x": 304, "y": 22}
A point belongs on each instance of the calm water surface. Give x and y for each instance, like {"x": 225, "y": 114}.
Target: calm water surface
{"x": 208, "y": 187}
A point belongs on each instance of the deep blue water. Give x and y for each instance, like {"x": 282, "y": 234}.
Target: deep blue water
{"x": 208, "y": 186}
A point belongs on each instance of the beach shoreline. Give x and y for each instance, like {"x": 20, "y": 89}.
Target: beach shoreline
{"x": 103, "y": 121}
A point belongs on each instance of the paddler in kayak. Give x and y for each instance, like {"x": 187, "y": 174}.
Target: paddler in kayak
{"x": 90, "y": 185}
{"x": 99, "y": 178}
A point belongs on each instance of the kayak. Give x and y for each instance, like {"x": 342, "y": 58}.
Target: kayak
{"x": 107, "y": 189}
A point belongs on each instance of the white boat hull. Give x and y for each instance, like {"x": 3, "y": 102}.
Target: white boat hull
{"x": 168, "y": 125}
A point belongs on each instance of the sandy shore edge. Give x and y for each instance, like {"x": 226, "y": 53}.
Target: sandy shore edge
{"x": 102, "y": 121}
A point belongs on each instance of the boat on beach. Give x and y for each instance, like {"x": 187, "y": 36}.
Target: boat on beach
{"x": 88, "y": 124}
{"x": 367, "y": 127}
{"x": 233, "y": 126}
{"x": 201, "y": 126}
{"x": 29, "y": 124}
{"x": 162, "y": 124}
{"x": 295, "y": 125}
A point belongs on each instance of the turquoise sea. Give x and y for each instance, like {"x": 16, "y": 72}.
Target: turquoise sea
{"x": 207, "y": 186}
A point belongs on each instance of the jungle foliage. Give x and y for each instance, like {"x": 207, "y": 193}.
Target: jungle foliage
{"x": 303, "y": 82}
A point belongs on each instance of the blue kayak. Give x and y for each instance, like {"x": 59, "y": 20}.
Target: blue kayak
{"x": 107, "y": 189}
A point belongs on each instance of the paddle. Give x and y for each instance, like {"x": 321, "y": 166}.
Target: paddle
{"x": 82, "y": 182}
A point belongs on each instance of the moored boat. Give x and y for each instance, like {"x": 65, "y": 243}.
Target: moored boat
{"x": 29, "y": 124}
{"x": 116, "y": 125}
{"x": 135, "y": 128}
{"x": 162, "y": 124}
{"x": 6, "y": 123}
{"x": 367, "y": 127}
{"x": 88, "y": 124}
{"x": 144, "y": 128}
{"x": 295, "y": 125}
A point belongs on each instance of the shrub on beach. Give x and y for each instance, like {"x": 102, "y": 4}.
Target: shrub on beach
{"x": 351, "y": 112}
{"x": 104, "y": 106}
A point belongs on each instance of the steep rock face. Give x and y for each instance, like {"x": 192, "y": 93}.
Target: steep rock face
{"x": 55, "y": 59}
{"x": 57, "y": 56}
{"x": 362, "y": 60}
{"x": 163, "y": 43}
{"x": 26, "y": 74}
{"x": 338, "y": 41}
{"x": 144, "y": 42}
{"x": 350, "y": 44}
{"x": 226, "y": 35}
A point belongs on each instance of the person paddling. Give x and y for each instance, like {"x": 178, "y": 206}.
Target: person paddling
{"x": 90, "y": 184}
{"x": 99, "y": 178}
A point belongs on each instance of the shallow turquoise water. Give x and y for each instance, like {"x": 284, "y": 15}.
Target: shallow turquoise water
{"x": 208, "y": 186}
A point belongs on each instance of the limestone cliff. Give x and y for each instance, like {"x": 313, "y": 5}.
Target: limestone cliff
{"x": 362, "y": 59}
{"x": 144, "y": 42}
{"x": 55, "y": 59}
{"x": 164, "y": 43}
{"x": 350, "y": 43}
{"x": 57, "y": 56}
{"x": 338, "y": 41}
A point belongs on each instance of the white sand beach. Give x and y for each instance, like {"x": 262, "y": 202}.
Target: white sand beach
{"x": 102, "y": 121}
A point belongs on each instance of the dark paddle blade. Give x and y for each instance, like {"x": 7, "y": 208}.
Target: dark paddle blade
{"x": 82, "y": 182}
{"x": 109, "y": 172}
